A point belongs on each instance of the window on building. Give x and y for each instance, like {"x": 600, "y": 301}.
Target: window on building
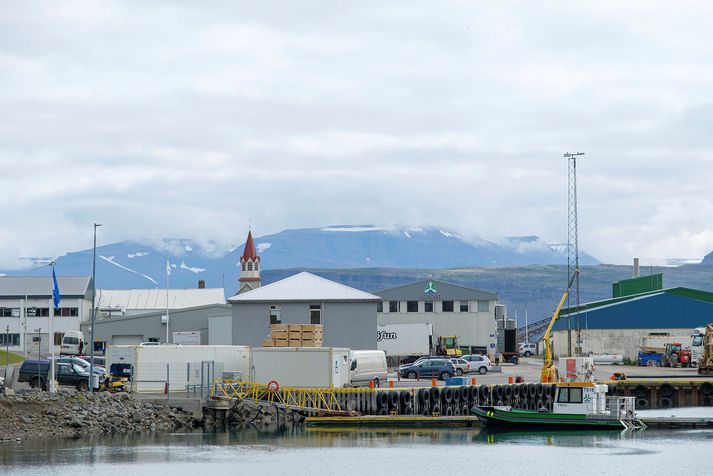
{"x": 276, "y": 314}
{"x": 67, "y": 312}
{"x": 256, "y": 266}
{"x": 9, "y": 340}
{"x": 380, "y": 306}
{"x": 250, "y": 266}
{"x": 428, "y": 306}
{"x": 315, "y": 314}
{"x": 37, "y": 339}
{"x": 58, "y": 338}
{"x": 411, "y": 306}
{"x": 154, "y": 339}
{"x": 9, "y": 312}
{"x": 38, "y": 312}
{"x": 243, "y": 266}
{"x": 393, "y": 306}
{"x": 483, "y": 306}
{"x": 447, "y": 306}
{"x": 464, "y": 306}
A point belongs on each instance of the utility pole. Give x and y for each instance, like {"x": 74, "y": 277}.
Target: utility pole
{"x": 573, "y": 252}
{"x": 7, "y": 351}
{"x": 94, "y": 311}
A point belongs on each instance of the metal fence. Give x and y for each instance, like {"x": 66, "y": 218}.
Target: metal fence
{"x": 191, "y": 379}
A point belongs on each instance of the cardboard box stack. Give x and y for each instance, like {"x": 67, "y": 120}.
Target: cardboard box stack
{"x": 294, "y": 335}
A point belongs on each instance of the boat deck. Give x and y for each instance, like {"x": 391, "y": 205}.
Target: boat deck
{"x": 416, "y": 421}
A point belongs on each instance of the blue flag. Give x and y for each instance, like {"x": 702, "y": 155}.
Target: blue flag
{"x": 55, "y": 290}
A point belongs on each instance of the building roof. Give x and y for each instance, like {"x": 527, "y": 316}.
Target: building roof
{"x": 675, "y": 308}
{"x": 304, "y": 286}
{"x": 250, "y": 253}
{"x": 443, "y": 291}
{"x": 17, "y": 287}
{"x": 695, "y": 294}
{"x": 156, "y": 298}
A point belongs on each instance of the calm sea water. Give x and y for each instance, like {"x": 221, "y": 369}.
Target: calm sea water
{"x": 388, "y": 452}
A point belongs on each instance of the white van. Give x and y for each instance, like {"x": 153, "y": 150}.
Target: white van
{"x": 73, "y": 343}
{"x": 367, "y": 365}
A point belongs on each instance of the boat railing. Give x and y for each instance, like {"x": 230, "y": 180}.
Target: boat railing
{"x": 621, "y": 408}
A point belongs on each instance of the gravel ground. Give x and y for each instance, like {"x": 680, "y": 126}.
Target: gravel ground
{"x": 70, "y": 414}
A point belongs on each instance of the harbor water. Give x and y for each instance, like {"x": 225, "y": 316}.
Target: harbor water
{"x": 329, "y": 451}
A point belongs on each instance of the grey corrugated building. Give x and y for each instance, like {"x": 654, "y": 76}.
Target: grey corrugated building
{"x": 348, "y": 315}
{"x": 212, "y": 321}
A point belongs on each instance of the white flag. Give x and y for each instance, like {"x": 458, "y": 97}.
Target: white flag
{"x": 168, "y": 267}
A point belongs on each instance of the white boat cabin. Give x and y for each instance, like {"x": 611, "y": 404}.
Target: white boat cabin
{"x": 581, "y": 398}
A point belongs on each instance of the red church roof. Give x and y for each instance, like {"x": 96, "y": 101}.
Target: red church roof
{"x": 250, "y": 253}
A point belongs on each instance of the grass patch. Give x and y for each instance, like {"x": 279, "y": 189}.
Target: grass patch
{"x": 14, "y": 358}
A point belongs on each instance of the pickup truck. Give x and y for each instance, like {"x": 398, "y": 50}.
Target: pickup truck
{"x": 36, "y": 372}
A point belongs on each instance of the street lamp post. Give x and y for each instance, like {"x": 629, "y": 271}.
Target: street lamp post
{"x": 39, "y": 357}
{"x": 94, "y": 311}
{"x": 7, "y": 350}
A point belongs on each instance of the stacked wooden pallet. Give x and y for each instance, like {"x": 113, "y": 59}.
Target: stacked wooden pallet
{"x": 294, "y": 335}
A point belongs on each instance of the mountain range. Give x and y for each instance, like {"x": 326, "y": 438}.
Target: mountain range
{"x": 131, "y": 264}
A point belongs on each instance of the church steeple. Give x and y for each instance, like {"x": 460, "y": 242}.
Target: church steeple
{"x": 249, "y": 267}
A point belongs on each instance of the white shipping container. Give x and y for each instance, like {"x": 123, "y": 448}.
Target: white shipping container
{"x": 404, "y": 339}
{"x": 314, "y": 367}
{"x": 153, "y": 365}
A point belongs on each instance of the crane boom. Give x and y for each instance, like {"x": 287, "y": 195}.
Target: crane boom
{"x": 549, "y": 373}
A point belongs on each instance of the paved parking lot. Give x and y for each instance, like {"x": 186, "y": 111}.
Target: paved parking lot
{"x": 529, "y": 369}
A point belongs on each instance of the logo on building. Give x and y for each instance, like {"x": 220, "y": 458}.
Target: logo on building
{"x": 384, "y": 335}
{"x": 430, "y": 288}
{"x": 430, "y": 292}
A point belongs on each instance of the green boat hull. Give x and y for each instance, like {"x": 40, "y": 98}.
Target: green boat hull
{"x": 514, "y": 418}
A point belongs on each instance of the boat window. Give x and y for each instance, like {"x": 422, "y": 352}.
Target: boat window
{"x": 575, "y": 395}
{"x": 563, "y": 396}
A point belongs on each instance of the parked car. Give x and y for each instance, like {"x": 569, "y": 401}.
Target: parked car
{"x": 98, "y": 361}
{"x": 527, "y": 349}
{"x": 462, "y": 366}
{"x": 36, "y": 372}
{"x": 440, "y": 368}
{"x": 415, "y": 360}
{"x": 82, "y": 363}
{"x": 367, "y": 365}
{"x": 479, "y": 363}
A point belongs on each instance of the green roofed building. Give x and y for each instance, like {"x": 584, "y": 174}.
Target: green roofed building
{"x": 639, "y": 307}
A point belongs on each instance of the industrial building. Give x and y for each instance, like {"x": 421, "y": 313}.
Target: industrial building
{"x": 639, "y": 307}
{"x": 348, "y": 315}
{"x": 211, "y": 321}
{"x": 112, "y": 303}
{"x": 451, "y": 309}
{"x": 26, "y": 306}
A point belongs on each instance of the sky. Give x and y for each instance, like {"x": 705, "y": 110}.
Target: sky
{"x": 198, "y": 119}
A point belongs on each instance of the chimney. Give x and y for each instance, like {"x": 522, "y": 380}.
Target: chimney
{"x": 637, "y": 273}
{"x": 201, "y": 284}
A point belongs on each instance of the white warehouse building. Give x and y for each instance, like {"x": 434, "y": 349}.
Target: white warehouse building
{"x": 451, "y": 310}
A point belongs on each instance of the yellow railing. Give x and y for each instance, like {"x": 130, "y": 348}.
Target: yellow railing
{"x": 293, "y": 397}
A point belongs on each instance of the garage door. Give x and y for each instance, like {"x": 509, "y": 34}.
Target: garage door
{"x": 126, "y": 340}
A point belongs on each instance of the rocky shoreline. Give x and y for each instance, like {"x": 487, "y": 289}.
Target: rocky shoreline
{"x": 69, "y": 414}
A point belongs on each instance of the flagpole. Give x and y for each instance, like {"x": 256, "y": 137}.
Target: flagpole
{"x": 54, "y": 303}
{"x": 168, "y": 273}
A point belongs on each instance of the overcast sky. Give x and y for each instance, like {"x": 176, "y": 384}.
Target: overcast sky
{"x": 171, "y": 119}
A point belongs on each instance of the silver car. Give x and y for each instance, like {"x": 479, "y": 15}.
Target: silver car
{"x": 462, "y": 366}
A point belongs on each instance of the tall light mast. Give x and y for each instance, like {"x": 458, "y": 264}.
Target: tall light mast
{"x": 573, "y": 252}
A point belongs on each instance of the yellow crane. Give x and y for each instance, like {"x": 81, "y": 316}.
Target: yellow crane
{"x": 549, "y": 373}
{"x": 705, "y": 366}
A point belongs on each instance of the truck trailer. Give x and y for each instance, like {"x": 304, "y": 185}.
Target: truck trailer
{"x": 154, "y": 368}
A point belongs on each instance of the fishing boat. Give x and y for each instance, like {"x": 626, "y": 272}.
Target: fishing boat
{"x": 576, "y": 405}
{"x": 578, "y": 401}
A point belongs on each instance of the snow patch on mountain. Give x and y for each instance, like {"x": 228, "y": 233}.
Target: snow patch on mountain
{"x": 263, "y": 246}
{"x": 191, "y": 269}
{"x": 110, "y": 259}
